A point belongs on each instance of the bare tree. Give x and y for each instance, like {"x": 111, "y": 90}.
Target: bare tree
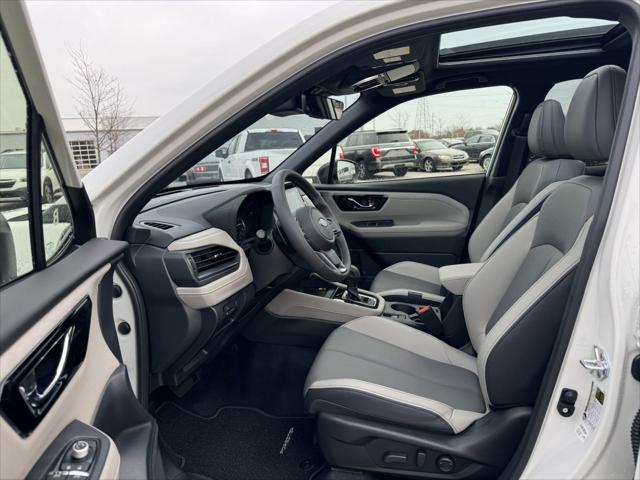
{"x": 100, "y": 101}
{"x": 399, "y": 117}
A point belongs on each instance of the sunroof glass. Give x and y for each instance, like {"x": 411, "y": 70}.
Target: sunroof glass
{"x": 572, "y": 27}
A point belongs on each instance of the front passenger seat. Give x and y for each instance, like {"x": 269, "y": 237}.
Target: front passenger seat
{"x": 546, "y": 139}
{"x": 393, "y": 399}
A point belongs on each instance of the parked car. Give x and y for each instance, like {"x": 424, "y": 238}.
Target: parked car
{"x": 205, "y": 171}
{"x": 470, "y": 133}
{"x": 485, "y": 158}
{"x": 377, "y": 151}
{"x": 13, "y": 177}
{"x": 434, "y": 155}
{"x": 451, "y": 142}
{"x": 257, "y": 151}
{"x": 476, "y": 144}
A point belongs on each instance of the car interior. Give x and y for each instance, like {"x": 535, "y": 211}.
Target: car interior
{"x": 375, "y": 329}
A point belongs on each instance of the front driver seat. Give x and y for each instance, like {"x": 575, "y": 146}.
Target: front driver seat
{"x": 389, "y": 398}
{"x": 545, "y": 137}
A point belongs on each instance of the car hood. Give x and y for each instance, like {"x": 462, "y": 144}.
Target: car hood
{"x": 12, "y": 173}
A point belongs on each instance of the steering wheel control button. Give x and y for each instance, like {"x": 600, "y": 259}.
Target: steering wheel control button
{"x": 79, "y": 450}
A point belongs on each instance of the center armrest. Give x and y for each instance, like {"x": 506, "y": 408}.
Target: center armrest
{"x": 455, "y": 277}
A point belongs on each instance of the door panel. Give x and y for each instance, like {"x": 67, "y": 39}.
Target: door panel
{"x": 82, "y": 394}
{"x": 423, "y": 220}
{"x": 57, "y": 354}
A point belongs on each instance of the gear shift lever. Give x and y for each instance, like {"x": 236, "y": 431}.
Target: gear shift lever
{"x": 352, "y": 284}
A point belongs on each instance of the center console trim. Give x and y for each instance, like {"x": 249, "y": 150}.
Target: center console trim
{"x": 293, "y": 304}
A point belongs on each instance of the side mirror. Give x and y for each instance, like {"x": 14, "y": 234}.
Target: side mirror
{"x": 222, "y": 152}
{"x": 345, "y": 171}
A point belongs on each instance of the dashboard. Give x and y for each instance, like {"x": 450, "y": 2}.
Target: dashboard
{"x": 206, "y": 260}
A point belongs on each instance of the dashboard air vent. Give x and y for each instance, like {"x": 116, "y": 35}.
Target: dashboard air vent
{"x": 214, "y": 261}
{"x": 159, "y": 225}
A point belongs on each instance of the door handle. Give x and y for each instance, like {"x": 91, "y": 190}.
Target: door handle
{"x": 29, "y": 388}
{"x": 370, "y": 205}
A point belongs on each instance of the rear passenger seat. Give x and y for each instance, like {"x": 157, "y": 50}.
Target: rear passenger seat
{"x": 535, "y": 183}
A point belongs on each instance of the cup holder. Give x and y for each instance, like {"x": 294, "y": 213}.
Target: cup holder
{"x": 404, "y": 308}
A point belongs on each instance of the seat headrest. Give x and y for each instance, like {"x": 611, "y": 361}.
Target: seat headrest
{"x": 546, "y": 130}
{"x": 593, "y": 113}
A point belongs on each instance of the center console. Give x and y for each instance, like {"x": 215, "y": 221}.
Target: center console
{"x": 316, "y": 299}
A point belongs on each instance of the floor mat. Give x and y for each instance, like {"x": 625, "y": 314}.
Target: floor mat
{"x": 241, "y": 443}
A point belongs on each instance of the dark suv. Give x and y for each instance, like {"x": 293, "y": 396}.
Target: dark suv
{"x": 476, "y": 144}
{"x": 380, "y": 150}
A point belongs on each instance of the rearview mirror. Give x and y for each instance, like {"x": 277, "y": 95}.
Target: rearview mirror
{"x": 222, "y": 152}
{"x": 316, "y": 106}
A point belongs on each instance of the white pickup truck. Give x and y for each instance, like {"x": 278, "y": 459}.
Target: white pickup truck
{"x": 257, "y": 151}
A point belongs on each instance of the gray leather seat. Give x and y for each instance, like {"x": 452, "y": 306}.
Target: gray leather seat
{"x": 404, "y": 383}
{"x": 546, "y": 139}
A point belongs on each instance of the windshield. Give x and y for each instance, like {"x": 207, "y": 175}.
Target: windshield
{"x": 13, "y": 160}
{"x": 258, "y": 149}
{"x": 430, "y": 145}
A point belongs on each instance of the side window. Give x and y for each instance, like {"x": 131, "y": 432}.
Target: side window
{"x": 425, "y": 137}
{"x": 16, "y": 257}
{"x": 57, "y": 224}
{"x": 35, "y": 219}
{"x": 232, "y": 146}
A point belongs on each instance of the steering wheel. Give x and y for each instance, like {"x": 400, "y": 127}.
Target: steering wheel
{"x": 312, "y": 231}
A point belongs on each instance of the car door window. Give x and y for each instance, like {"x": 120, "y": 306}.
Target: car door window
{"x": 424, "y": 137}
{"x": 57, "y": 223}
{"x": 27, "y": 213}
{"x": 16, "y": 246}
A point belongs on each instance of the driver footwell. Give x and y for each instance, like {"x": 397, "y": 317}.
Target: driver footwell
{"x": 241, "y": 443}
{"x": 244, "y": 418}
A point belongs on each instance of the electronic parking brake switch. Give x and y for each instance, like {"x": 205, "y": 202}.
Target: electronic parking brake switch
{"x": 76, "y": 462}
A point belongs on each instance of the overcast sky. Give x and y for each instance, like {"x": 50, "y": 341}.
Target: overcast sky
{"x": 162, "y": 51}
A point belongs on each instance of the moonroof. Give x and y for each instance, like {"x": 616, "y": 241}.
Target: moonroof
{"x": 518, "y": 32}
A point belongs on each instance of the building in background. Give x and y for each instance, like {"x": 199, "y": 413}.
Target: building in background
{"x": 83, "y": 144}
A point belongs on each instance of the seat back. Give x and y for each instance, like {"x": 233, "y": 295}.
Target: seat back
{"x": 546, "y": 139}
{"x": 514, "y": 304}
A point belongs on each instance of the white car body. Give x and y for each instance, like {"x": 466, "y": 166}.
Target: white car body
{"x": 243, "y": 163}
{"x": 13, "y": 181}
{"x": 612, "y": 291}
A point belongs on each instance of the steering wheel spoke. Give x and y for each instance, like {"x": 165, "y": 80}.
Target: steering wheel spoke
{"x": 331, "y": 258}
{"x": 311, "y": 230}
{"x": 337, "y": 231}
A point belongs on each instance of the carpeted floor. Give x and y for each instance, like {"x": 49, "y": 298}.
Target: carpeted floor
{"x": 258, "y": 375}
{"x": 241, "y": 443}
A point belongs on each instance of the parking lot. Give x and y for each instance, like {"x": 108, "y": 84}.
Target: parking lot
{"x": 469, "y": 168}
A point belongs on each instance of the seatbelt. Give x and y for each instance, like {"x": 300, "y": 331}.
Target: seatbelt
{"x": 519, "y": 152}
